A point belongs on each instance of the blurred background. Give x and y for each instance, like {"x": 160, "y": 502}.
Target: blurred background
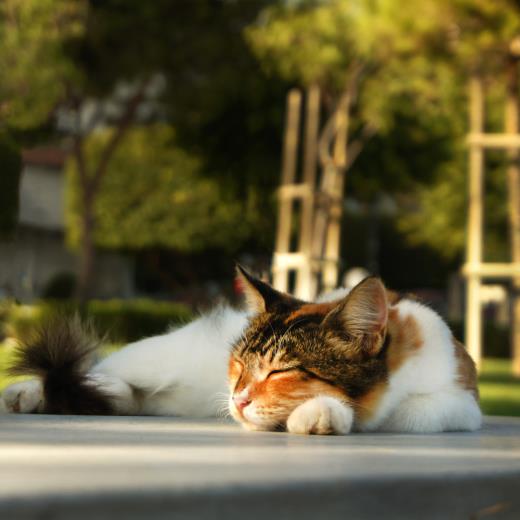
{"x": 143, "y": 145}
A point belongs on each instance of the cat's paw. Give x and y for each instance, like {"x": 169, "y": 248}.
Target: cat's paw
{"x": 23, "y": 397}
{"x": 323, "y": 416}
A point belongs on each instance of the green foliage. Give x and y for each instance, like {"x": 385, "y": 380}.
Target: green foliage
{"x": 415, "y": 57}
{"x": 308, "y": 44}
{"x": 34, "y": 36}
{"x": 120, "y": 321}
{"x": 382, "y": 45}
{"x": 438, "y": 219}
{"x": 483, "y": 33}
{"x": 11, "y": 162}
{"x": 154, "y": 195}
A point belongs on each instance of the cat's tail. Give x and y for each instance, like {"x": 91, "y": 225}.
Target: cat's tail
{"x": 60, "y": 354}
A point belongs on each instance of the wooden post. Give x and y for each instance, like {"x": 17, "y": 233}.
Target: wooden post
{"x": 330, "y": 268}
{"x": 323, "y": 199}
{"x": 513, "y": 180}
{"x": 475, "y": 222}
{"x": 303, "y": 287}
{"x": 290, "y": 155}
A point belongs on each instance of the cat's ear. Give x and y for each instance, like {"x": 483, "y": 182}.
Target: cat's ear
{"x": 363, "y": 313}
{"x": 260, "y": 296}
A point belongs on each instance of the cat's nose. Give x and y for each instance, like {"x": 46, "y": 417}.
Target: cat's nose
{"x": 241, "y": 401}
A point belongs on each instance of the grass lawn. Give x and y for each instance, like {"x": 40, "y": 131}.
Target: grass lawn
{"x": 499, "y": 390}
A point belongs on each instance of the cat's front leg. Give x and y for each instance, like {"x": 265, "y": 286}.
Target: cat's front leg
{"x": 322, "y": 415}
{"x": 23, "y": 397}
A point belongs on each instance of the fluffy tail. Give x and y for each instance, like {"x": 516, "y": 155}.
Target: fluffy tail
{"x": 60, "y": 354}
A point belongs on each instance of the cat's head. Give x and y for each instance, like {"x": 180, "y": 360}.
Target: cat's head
{"x": 293, "y": 351}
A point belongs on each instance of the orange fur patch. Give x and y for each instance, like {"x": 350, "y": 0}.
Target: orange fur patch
{"x": 234, "y": 369}
{"x": 393, "y": 297}
{"x": 406, "y": 339}
{"x": 312, "y": 308}
{"x": 292, "y": 386}
{"x": 466, "y": 371}
{"x": 278, "y": 395}
{"x": 368, "y": 403}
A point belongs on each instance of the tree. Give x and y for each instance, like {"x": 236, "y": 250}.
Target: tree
{"x": 35, "y": 68}
{"x": 407, "y": 64}
{"x": 483, "y": 36}
{"x": 43, "y": 75}
{"x": 357, "y": 48}
{"x": 155, "y": 196}
{"x": 78, "y": 52}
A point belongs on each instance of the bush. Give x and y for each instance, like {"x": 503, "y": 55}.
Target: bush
{"x": 129, "y": 321}
{"x": 5, "y": 310}
{"x": 121, "y": 321}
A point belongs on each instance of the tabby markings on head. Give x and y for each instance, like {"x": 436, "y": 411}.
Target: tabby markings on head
{"x": 293, "y": 351}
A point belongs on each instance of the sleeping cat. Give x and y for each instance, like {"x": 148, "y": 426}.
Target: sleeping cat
{"x": 367, "y": 361}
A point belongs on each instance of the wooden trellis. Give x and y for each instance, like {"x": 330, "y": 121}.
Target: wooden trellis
{"x": 311, "y": 248}
{"x": 475, "y": 270}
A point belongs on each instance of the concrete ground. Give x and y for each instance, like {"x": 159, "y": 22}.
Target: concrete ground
{"x": 158, "y": 467}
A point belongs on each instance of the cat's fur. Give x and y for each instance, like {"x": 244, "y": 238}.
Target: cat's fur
{"x": 182, "y": 372}
{"x": 370, "y": 360}
{"x": 366, "y": 360}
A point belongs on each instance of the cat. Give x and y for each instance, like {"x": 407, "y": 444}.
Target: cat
{"x": 370, "y": 361}
{"x": 367, "y": 361}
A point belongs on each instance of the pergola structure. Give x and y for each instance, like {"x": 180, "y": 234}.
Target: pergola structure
{"x": 475, "y": 269}
{"x": 310, "y": 205}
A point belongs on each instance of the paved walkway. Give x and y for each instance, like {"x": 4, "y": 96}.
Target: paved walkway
{"x": 154, "y": 468}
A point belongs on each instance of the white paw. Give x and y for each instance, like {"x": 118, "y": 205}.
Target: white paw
{"x": 323, "y": 416}
{"x": 24, "y": 397}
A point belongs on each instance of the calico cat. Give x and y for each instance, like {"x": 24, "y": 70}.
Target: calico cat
{"x": 368, "y": 361}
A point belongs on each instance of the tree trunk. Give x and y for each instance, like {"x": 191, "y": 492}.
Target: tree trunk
{"x": 87, "y": 250}
{"x": 90, "y": 182}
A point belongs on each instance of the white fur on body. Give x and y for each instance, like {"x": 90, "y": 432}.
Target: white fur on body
{"x": 183, "y": 373}
{"x": 424, "y": 394}
{"x": 180, "y": 373}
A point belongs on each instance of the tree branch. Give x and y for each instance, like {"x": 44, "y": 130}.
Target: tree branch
{"x": 77, "y": 138}
{"x": 123, "y": 124}
{"x": 356, "y": 146}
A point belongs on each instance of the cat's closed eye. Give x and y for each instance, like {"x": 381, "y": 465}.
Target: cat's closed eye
{"x": 282, "y": 372}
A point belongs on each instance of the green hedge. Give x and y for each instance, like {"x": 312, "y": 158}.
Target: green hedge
{"x": 121, "y": 321}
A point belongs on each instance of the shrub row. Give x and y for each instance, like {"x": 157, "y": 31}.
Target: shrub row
{"x": 121, "y": 321}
